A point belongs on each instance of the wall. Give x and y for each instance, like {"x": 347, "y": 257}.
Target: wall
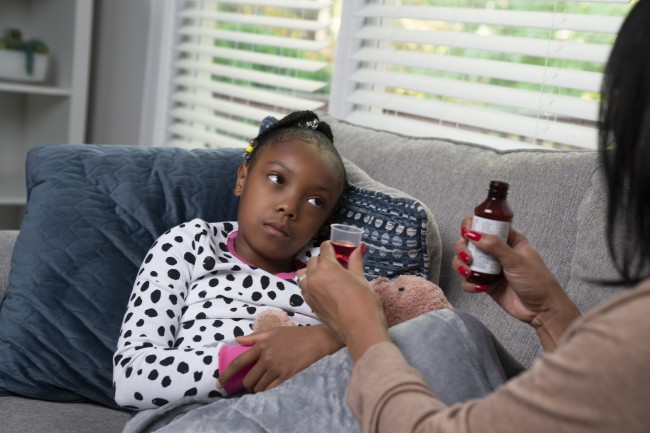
{"x": 119, "y": 54}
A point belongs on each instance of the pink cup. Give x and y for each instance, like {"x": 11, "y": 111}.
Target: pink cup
{"x": 226, "y": 355}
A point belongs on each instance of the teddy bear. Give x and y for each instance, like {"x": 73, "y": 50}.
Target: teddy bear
{"x": 271, "y": 318}
{"x": 407, "y": 297}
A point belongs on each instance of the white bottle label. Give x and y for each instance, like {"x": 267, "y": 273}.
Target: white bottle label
{"x": 482, "y": 262}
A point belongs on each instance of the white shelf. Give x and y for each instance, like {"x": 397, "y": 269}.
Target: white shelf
{"x": 34, "y": 89}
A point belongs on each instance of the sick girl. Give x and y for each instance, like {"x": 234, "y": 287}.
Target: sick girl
{"x": 203, "y": 283}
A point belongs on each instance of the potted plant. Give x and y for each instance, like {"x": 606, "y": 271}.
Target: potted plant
{"x": 22, "y": 60}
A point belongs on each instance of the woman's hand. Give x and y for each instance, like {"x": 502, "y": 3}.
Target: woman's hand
{"x": 343, "y": 300}
{"x": 528, "y": 291}
{"x": 280, "y": 353}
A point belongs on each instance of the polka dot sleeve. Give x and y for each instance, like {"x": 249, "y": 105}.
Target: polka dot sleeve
{"x": 150, "y": 366}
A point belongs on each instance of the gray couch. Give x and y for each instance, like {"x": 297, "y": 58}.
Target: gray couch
{"x": 557, "y": 198}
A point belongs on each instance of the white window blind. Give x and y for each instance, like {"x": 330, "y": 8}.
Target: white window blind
{"x": 238, "y": 61}
{"x": 506, "y": 73}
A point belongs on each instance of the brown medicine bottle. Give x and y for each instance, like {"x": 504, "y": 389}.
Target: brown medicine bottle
{"x": 492, "y": 216}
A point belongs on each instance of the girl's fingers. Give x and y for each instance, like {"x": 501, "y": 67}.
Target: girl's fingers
{"x": 263, "y": 382}
{"x": 273, "y": 384}
{"x": 253, "y": 377}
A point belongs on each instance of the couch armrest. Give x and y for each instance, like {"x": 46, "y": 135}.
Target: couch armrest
{"x": 7, "y": 241}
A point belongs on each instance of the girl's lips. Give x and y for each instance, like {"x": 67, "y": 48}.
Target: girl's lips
{"x": 276, "y": 229}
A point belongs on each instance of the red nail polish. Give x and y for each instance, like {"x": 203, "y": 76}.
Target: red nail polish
{"x": 463, "y": 231}
{"x": 480, "y": 288}
{"x": 474, "y": 236}
{"x": 463, "y": 271}
{"x": 464, "y": 256}
{"x": 363, "y": 248}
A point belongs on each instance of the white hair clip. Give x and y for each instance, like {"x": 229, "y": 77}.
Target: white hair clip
{"x": 313, "y": 124}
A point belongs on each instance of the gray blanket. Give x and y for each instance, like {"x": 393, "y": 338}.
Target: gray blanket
{"x": 458, "y": 357}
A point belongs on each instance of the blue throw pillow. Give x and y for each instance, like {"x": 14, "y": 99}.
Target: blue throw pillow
{"x": 92, "y": 214}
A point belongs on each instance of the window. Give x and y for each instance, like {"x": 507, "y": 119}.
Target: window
{"x": 235, "y": 62}
{"x": 505, "y": 73}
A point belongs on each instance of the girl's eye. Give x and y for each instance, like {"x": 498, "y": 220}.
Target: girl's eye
{"x": 318, "y": 202}
{"x": 276, "y": 178}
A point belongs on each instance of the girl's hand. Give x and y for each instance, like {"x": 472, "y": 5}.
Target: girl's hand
{"x": 280, "y": 353}
{"x": 528, "y": 291}
{"x": 343, "y": 300}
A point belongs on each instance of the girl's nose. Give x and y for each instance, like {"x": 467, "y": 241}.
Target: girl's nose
{"x": 288, "y": 210}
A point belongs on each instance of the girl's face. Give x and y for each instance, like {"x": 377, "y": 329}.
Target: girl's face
{"x": 285, "y": 197}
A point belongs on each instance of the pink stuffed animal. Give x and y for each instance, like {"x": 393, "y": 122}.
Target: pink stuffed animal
{"x": 269, "y": 319}
{"x": 407, "y": 297}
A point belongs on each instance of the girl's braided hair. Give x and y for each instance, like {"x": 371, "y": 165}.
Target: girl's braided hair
{"x": 303, "y": 125}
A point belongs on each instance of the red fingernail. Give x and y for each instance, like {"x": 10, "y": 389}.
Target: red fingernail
{"x": 474, "y": 236}
{"x": 480, "y": 288}
{"x": 464, "y": 256}
{"x": 363, "y": 248}
{"x": 463, "y": 271}
{"x": 463, "y": 231}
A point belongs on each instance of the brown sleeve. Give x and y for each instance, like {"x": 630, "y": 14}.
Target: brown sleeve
{"x": 597, "y": 381}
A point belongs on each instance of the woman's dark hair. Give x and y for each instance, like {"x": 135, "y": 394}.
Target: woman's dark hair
{"x": 624, "y": 143}
{"x": 304, "y": 125}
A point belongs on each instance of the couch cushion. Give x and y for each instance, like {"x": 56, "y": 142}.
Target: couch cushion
{"x": 36, "y": 416}
{"x": 92, "y": 214}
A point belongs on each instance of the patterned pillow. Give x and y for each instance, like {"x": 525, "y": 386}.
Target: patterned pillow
{"x": 92, "y": 214}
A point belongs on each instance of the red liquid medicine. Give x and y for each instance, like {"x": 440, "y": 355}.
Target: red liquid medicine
{"x": 343, "y": 250}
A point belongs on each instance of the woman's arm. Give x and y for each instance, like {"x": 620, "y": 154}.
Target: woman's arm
{"x": 344, "y": 301}
{"x": 595, "y": 382}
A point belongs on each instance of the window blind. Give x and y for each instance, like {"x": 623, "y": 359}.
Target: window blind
{"x": 238, "y": 61}
{"x": 509, "y": 73}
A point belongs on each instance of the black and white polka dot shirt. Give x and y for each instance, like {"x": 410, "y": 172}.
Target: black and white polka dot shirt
{"x": 192, "y": 294}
